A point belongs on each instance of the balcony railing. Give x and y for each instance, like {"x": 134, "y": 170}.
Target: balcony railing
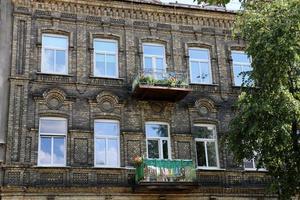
{"x": 160, "y": 85}
{"x": 155, "y": 170}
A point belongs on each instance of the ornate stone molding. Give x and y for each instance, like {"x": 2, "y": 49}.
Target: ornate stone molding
{"x": 138, "y": 11}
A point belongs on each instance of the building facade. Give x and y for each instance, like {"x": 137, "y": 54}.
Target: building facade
{"x": 95, "y": 84}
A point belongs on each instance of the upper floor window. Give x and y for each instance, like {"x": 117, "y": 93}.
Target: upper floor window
{"x": 206, "y": 146}
{"x": 251, "y": 164}
{"x": 154, "y": 60}
{"x": 52, "y": 142}
{"x": 158, "y": 143}
{"x": 106, "y": 58}
{"x": 200, "y": 69}
{"x": 107, "y": 143}
{"x": 54, "y": 54}
{"x": 241, "y": 64}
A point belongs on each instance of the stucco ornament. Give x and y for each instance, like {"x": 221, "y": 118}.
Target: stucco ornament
{"x": 54, "y": 98}
{"x": 107, "y": 101}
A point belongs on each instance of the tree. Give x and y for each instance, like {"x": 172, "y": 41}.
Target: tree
{"x": 267, "y": 116}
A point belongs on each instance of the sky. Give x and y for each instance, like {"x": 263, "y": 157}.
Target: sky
{"x": 233, "y": 5}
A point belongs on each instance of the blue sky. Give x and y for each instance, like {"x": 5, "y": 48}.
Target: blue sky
{"x": 233, "y": 5}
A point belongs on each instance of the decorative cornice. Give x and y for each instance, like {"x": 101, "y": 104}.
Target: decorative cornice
{"x": 117, "y": 9}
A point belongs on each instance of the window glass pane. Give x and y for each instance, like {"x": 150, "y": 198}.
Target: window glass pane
{"x": 100, "y": 65}
{"x": 249, "y": 164}
{"x": 100, "y": 151}
{"x": 45, "y": 151}
{"x": 60, "y": 61}
{"x": 53, "y": 126}
{"x": 199, "y": 54}
{"x": 212, "y": 154}
{"x": 55, "y": 41}
{"x": 153, "y": 50}
{"x": 156, "y": 130}
{"x": 112, "y": 152}
{"x": 111, "y": 68}
{"x": 238, "y": 76}
{"x": 153, "y": 151}
{"x": 195, "y": 72}
{"x": 165, "y": 149}
{"x": 203, "y": 132}
{"x": 240, "y": 57}
{"x": 107, "y": 46}
{"x": 48, "y": 65}
{"x": 205, "y": 73}
{"x": 59, "y": 150}
{"x": 160, "y": 65}
{"x": 201, "y": 161}
{"x": 148, "y": 63}
{"x": 107, "y": 128}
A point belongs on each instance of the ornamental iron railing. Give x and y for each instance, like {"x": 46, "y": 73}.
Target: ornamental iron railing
{"x": 163, "y": 78}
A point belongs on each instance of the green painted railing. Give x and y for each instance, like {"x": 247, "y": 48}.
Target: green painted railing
{"x": 155, "y": 170}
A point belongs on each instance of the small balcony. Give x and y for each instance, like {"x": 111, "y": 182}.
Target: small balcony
{"x": 160, "y": 85}
{"x": 165, "y": 171}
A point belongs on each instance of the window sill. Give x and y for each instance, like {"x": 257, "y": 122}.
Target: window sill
{"x": 109, "y": 167}
{"x": 53, "y": 74}
{"x": 203, "y": 84}
{"x": 112, "y": 78}
{"x": 255, "y": 170}
{"x": 44, "y": 167}
{"x": 210, "y": 169}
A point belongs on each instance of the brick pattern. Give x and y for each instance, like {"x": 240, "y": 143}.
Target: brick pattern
{"x": 81, "y": 98}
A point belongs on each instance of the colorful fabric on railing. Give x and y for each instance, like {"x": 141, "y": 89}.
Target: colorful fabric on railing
{"x": 166, "y": 170}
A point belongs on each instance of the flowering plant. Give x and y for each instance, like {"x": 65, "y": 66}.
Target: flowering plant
{"x": 138, "y": 160}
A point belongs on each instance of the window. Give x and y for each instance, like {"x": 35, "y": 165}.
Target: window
{"x": 200, "y": 70}
{"x": 106, "y": 58}
{"x": 251, "y": 164}
{"x": 154, "y": 60}
{"x": 52, "y": 142}
{"x": 241, "y": 63}
{"x": 107, "y": 143}
{"x": 206, "y": 146}
{"x": 158, "y": 143}
{"x": 54, "y": 54}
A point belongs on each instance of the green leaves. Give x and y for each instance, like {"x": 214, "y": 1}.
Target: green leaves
{"x": 268, "y": 115}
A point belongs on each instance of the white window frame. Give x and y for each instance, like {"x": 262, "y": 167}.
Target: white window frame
{"x": 199, "y": 61}
{"x": 154, "y": 57}
{"x": 243, "y": 64}
{"x": 159, "y": 139}
{"x": 106, "y": 138}
{"x": 53, "y": 135}
{"x": 254, "y": 166}
{"x": 205, "y": 140}
{"x": 54, "y": 48}
{"x": 105, "y": 54}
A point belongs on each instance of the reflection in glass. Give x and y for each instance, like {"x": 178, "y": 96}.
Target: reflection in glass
{"x": 212, "y": 154}
{"x": 204, "y": 132}
{"x": 156, "y": 130}
{"x": 49, "y": 60}
{"x": 106, "y": 128}
{"x": 153, "y": 50}
{"x": 153, "y": 151}
{"x": 45, "y": 151}
{"x": 199, "y": 54}
{"x": 112, "y": 152}
{"x": 201, "y": 161}
{"x": 53, "y": 126}
{"x": 100, "y": 151}
{"x": 165, "y": 149}
{"x": 59, "y": 150}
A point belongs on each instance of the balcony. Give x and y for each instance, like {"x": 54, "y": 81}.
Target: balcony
{"x": 165, "y": 171}
{"x": 160, "y": 85}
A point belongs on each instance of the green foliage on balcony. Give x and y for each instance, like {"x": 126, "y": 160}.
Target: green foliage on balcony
{"x": 156, "y": 170}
